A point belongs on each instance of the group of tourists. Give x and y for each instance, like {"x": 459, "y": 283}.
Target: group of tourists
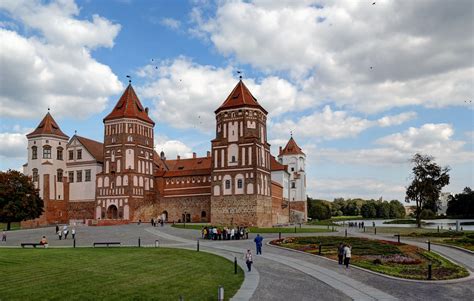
{"x": 225, "y": 233}
{"x": 359, "y": 225}
{"x": 65, "y": 232}
{"x": 154, "y": 222}
{"x": 344, "y": 254}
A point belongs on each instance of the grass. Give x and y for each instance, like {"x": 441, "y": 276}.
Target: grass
{"x": 114, "y": 274}
{"x": 391, "y": 258}
{"x": 262, "y": 230}
{"x": 403, "y": 222}
{"x": 13, "y": 225}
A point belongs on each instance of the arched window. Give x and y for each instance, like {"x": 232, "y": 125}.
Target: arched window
{"x": 59, "y": 153}
{"x": 46, "y": 152}
{"x": 227, "y": 184}
{"x": 35, "y": 175}
{"x": 130, "y": 139}
{"x": 239, "y": 183}
{"x": 60, "y": 175}
{"x": 34, "y": 153}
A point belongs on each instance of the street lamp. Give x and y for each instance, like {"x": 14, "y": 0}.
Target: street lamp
{"x": 184, "y": 219}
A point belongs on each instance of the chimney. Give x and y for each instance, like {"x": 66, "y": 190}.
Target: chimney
{"x": 178, "y": 157}
{"x": 280, "y": 151}
{"x": 146, "y": 110}
{"x": 194, "y": 155}
{"x": 208, "y": 154}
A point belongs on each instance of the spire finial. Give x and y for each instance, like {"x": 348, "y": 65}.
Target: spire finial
{"x": 48, "y": 108}
{"x": 240, "y": 74}
{"x": 129, "y": 79}
{"x": 75, "y": 132}
{"x": 291, "y": 134}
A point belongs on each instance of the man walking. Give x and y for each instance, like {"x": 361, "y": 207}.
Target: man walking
{"x": 4, "y": 236}
{"x": 347, "y": 255}
{"x": 258, "y": 243}
{"x": 248, "y": 260}
{"x": 340, "y": 252}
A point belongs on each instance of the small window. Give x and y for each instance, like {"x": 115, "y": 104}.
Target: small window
{"x": 71, "y": 177}
{"x": 233, "y": 159}
{"x": 47, "y": 152}
{"x": 293, "y": 185}
{"x": 292, "y": 169}
{"x": 130, "y": 139}
{"x": 79, "y": 176}
{"x": 34, "y": 153}
{"x": 227, "y": 184}
{"x": 79, "y": 154}
{"x": 239, "y": 183}
{"x": 60, "y": 175}
{"x": 59, "y": 153}
{"x": 71, "y": 155}
{"x": 35, "y": 175}
{"x": 88, "y": 175}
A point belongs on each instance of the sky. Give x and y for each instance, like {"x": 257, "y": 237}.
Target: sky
{"x": 362, "y": 86}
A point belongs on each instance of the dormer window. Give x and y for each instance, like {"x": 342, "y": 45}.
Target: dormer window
{"x": 71, "y": 155}
{"x": 79, "y": 154}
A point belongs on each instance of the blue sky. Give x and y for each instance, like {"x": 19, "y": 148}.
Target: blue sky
{"x": 363, "y": 87}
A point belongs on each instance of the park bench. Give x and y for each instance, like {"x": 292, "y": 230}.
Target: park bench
{"x": 106, "y": 243}
{"x": 34, "y": 245}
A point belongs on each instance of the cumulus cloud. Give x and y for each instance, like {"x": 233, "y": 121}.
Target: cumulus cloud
{"x": 368, "y": 57}
{"x": 171, "y": 23}
{"x": 52, "y": 66}
{"x": 13, "y": 146}
{"x": 186, "y": 94}
{"x": 172, "y": 148}
{"x": 329, "y": 124}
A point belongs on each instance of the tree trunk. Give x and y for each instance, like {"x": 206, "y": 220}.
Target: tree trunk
{"x": 8, "y": 226}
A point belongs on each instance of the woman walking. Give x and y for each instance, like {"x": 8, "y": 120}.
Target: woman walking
{"x": 249, "y": 260}
{"x": 347, "y": 255}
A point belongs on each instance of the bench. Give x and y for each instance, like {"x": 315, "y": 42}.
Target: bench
{"x": 106, "y": 243}
{"x": 34, "y": 245}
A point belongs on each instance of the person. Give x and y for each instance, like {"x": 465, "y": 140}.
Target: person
{"x": 162, "y": 223}
{"x": 247, "y": 233}
{"x": 152, "y": 222}
{"x": 66, "y": 232}
{"x": 73, "y": 232}
{"x": 249, "y": 260}
{"x": 44, "y": 242}
{"x": 60, "y": 234}
{"x": 258, "y": 243}
{"x": 347, "y": 255}
{"x": 57, "y": 228}
{"x": 4, "y": 236}
{"x": 232, "y": 233}
{"x": 340, "y": 252}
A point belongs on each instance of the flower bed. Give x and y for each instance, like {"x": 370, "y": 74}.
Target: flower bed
{"x": 386, "y": 257}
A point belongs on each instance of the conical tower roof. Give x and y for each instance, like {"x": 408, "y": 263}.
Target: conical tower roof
{"x": 291, "y": 148}
{"x": 47, "y": 127}
{"x": 240, "y": 97}
{"x": 129, "y": 106}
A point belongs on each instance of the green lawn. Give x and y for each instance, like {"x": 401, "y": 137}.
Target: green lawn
{"x": 114, "y": 274}
{"x": 263, "y": 230}
{"x": 14, "y": 226}
{"x": 391, "y": 258}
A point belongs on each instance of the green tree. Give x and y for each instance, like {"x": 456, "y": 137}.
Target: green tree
{"x": 383, "y": 209}
{"x": 19, "y": 200}
{"x": 320, "y": 210}
{"x": 396, "y": 209}
{"x": 462, "y": 204}
{"x": 368, "y": 210}
{"x": 428, "y": 180}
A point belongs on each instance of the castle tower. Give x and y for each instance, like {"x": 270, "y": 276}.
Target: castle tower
{"x": 241, "y": 181}
{"x": 295, "y": 159}
{"x": 126, "y": 182}
{"x": 47, "y": 167}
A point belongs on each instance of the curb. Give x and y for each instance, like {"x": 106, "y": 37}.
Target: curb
{"x": 454, "y": 247}
{"x": 467, "y": 278}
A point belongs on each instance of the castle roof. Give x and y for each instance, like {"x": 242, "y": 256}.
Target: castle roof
{"x": 129, "y": 106}
{"x": 95, "y": 148}
{"x": 275, "y": 165}
{"x": 47, "y": 127}
{"x": 189, "y": 167}
{"x": 291, "y": 148}
{"x": 240, "y": 97}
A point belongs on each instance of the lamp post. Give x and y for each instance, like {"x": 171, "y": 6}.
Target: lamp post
{"x": 184, "y": 220}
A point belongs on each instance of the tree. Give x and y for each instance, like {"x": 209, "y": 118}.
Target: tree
{"x": 462, "y": 204}
{"x": 383, "y": 209}
{"x": 396, "y": 209}
{"x": 428, "y": 180}
{"x": 19, "y": 199}
{"x": 368, "y": 210}
{"x": 320, "y": 210}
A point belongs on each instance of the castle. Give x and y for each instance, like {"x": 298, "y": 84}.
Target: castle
{"x": 124, "y": 180}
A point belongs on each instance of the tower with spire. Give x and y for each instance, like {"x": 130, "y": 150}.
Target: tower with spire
{"x": 126, "y": 182}
{"x": 293, "y": 157}
{"x": 46, "y": 166}
{"x": 241, "y": 180}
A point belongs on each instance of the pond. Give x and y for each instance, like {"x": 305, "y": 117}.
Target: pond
{"x": 429, "y": 224}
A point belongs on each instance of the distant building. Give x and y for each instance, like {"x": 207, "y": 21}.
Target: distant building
{"x": 443, "y": 202}
{"x": 123, "y": 179}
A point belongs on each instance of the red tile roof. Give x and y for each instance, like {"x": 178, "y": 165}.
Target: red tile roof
{"x": 47, "y": 126}
{"x": 189, "y": 167}
{"x": 240, "y": 97}
{"x": 95, "y": 148}
{"x": 275, "y": 165}
{"x": 129, "y": 106}
{"x": 291, "y": 148}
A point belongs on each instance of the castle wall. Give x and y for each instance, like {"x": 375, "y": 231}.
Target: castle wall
{"x": 244, "y": 210}
{"x": 198, "y": 207}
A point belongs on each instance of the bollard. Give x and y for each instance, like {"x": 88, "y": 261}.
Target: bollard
{"x": 438, "y": 228}
{"x": 295, "y": 228}
{"x": 320, "y": 246}
{"x": 279, "y": 235}
{"x": 220, "y": 293}
{"x": 74, "y": 244}
{"x": 375, "y": 231}
{"x": 235, "y": 265}
{"x": 364, "y": 228}
{"x": 429, "y": 246}
{"x": 198, "y": 244}
{"x": 181, "y": 298}
{"x": 328, "y": 226}
{"x": 139, "y": 242}
{"x": 300, "y": 225}
{"x": 345, "y": 232}
{"x": 429, "y": 271}
{"x": 157, "y": 243}
{"x": 398, "y": 237}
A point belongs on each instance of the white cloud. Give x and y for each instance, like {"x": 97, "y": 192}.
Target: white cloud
{"x": 186, "y": 94}
{"x": 171, "y": 23}
{"x": 329, "y": 124}
{"x": 368, "y": 57}
{"x": 53, "y": 66}
{"x": 172, "y": 148}
{"x": 13, "y": 146}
